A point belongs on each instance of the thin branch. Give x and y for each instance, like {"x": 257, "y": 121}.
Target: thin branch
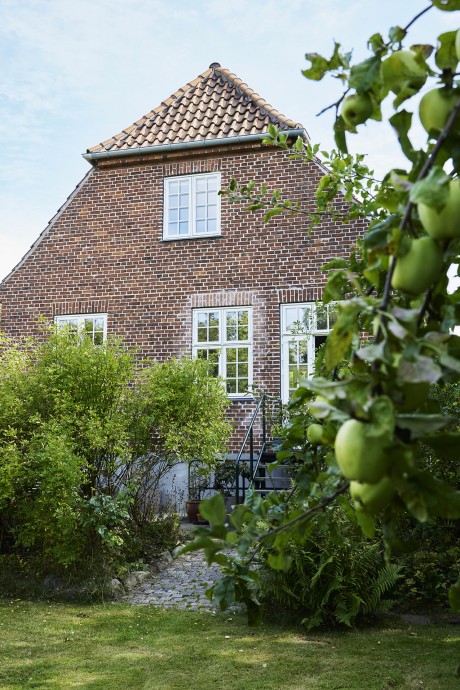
{"x": 300, "y": 518}
{"x": 417, "y": 16}
{"x": 333, "y": 105}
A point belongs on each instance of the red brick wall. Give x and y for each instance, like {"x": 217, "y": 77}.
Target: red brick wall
{"x": 104, "y": 253}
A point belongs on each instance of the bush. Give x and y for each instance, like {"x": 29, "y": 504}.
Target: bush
{"x": 84, "y": 443}
{"x": 336, "y": 576}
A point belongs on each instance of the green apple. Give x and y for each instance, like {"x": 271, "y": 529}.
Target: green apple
{"x": 457, "y": 44}
{"x": 435, "y": 108}
{"x": 317, "y": 407}
{"x": 401, "y": 70}
{"x": 359, "y": 455}
{"x": 419, "y": 268}
{"x": 356, "y": 108}
{"x": 315, "y": 434}
{"x": 372, "y": 498}
{"x": 443, "y": 224}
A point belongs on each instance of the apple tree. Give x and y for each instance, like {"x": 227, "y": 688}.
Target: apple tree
{"x": 358, "y": 429}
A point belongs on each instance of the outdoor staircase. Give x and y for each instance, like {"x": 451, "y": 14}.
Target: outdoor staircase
{"x": 252, "y": 466}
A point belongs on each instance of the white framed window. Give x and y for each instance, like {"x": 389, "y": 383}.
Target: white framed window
{"x": 304, "y": 328}
{"x": 93, "y": 326}
{"x": 223, "y": 337}
{"x": 191, "y": 206}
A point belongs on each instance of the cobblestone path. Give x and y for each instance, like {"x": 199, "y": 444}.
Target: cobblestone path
{"x": 181, "y": 585}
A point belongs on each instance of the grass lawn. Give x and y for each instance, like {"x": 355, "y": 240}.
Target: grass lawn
{"x": 118, "y": 647}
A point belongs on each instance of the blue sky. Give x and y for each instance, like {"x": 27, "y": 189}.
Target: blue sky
{"x": 75, "y": 73}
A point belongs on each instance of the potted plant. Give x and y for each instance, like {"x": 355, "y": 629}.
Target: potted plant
{"x": 198, "y": 486}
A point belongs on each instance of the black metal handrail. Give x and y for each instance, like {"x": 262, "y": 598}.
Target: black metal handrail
{"x": 249, "y": 436}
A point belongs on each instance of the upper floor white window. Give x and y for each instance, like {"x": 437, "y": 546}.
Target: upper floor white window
{"x": 191, "y": 206}
{"x": 304, "y": 328}
{"x": 93, "y": 326}
{"x": 223, "y": 337}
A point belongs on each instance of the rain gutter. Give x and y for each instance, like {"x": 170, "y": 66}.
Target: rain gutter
{"x": 182, "y": 146}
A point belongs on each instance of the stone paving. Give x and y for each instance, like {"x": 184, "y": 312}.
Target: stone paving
{"x": 181, "y": 585}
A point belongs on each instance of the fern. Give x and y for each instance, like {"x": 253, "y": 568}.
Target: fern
{"x": 331, "y": 581}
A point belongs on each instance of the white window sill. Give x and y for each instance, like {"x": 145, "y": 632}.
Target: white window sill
{"x": 192, "y": 237}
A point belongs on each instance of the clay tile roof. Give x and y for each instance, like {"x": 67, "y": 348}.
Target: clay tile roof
{"x": 215, "y": 105}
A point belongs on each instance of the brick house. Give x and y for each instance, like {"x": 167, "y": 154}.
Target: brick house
{"x": 146, "y": 249}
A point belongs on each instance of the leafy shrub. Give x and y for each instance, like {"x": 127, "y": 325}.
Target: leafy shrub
{"x": 84, "y": 444}
{"x": 334, "y": 578}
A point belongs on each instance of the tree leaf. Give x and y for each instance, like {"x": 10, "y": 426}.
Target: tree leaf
{"x": 401, "y": 123}
{"x": 213, "y": 509}
{"x": 319, "y": 67}
{"x": 365, "y": 75}
{"x": 433, "y": 190}
{"x": 421, "y": 424}
{"x": 367, "y": 523}
{"x": 280, "y": 561}
{"x": 446, "y": 55}
{"x": 396, "y": 34}
{"x": 419, "y": 369}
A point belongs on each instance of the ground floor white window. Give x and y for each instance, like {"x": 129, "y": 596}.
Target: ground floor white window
{"x": 224, "y": 338}
{"x": 304, "y": 328}
{"x": 93, "y": 326}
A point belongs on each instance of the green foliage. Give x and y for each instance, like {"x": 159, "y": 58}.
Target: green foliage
{"x": 84, "y": 445}
{"x": 392, "y": 347}
{"x": 179, "y": 411}
{"x": 335, "y": 577}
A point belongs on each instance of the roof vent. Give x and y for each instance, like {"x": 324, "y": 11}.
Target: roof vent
{"x": 213, "y": 65}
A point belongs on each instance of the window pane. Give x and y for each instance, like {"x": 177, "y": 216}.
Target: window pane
{"x": 243, "y": 354}
{"x": 200, "y": 198}
{"x": 243, "y": 370}
{"x": 172, "y": 229}
{"x": 243, "y": 386}
{"x": 183, "y": 228}
{"x": 231, "y": 325}
{"x": 231, "y": 387}
{"x": 212, "y": 182}
{"x": 292, "y": 352}
{"x": 183, "y": 214}
{"x": 212, "y": 225}
{"x": 231, "y": 371}
{"x": 231, "y": 354}
{"x": 333, "y": 313}
{"x": 202, "y": 319}
{"x": 321, "y": 318}
{"x": 184, "y": 186}
{"x": 212, "y": 211}
{"x": 213, "y": 318}
{"x": 201, "y": 213}
{"x": 173, "y": 187}
{"x": 319, "y": 341}
{"x": 200, "y": 226}
{"x": 98, "y": 338}
{"x": 202, "y": 335}
{"x": 201, "y": 184}
{"x": 307, "y": 320}
{"x": 213, "y": 334}
{"x": 303, "y": 351}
